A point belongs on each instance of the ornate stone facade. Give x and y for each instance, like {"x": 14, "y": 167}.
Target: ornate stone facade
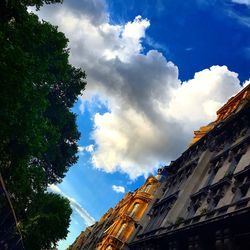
{"x": 201, "y": 201}
{"x": 226, "y": 110}
{"x": 118, "y": 224}
{"x": 204, "y": 202}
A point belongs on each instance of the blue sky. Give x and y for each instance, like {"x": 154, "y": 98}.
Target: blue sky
{"x": 156, "y": 71}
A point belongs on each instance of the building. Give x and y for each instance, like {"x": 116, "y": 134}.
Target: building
{"x": 201, "y": 201}
{"x": 204, "y": 201}
{"x": 89, "y": 238}
{"x": 81, "y": 239}
{"x": 116, "y": 227}
{"x": 223, "y": 112}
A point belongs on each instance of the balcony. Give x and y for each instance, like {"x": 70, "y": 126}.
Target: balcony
{"x": 143, "y": 196}
{"x": 127, "y": 217}
{"x": 223, "y": 182}
{"x": 170, "y": 198}
{"x": 116, "y": 241}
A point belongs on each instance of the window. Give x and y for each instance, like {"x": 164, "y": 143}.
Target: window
{"x": 135, "y": 209}
{"x": 240, "y": 188}
{"x": 147, "y": 188}
{"x": 211, "y": 174}
{"x": 231, "y": 168}
{"x": 215, "y": 197}
{"x": 121, "y": 230}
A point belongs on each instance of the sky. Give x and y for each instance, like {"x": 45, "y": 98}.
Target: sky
{"x": 156, "y": 71}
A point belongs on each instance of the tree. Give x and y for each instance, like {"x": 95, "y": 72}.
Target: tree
{"x": 17, "y": 8}
{"x": 47, "y": 221}
{"x": 38, "y": 86}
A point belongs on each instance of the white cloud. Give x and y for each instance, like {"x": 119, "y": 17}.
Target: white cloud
{"x": 118, "y": 189}
{"x": 198, "y": 99}
{"x": 247, "y": 2}
{"x": 246, "y": 83}
{"x": 152, "y": 114}
{"x": 239, "y": 16}
{"x": 145, "y": 129}
{"x": 55, "y": 189}
{"x": 89, "y": 148}
{"x": 81, "y": 149}
{"x": 87, "y": 218}
{"x": 136, "y": 29}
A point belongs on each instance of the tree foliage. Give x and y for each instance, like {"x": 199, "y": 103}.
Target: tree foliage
{"x": 17, "y": 8}
{"x": 38, "y": 86}
{"x": 48, "y": 221}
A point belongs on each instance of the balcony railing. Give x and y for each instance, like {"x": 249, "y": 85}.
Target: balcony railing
{"x": 143, "y": 196}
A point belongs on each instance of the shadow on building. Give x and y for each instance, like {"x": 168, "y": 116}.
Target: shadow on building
{"x": 201, "y": 201}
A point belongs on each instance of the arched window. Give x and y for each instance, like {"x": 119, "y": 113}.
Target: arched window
{"x": 121, "y": 230}
{"x": 147, "y": 188}
{"x": 135, "y": 209}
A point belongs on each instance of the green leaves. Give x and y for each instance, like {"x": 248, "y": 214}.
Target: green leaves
{"x": 38, "y": 86}
{"x": 48, "y": 220}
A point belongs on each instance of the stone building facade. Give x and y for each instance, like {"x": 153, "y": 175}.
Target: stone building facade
{"x": 201, "y": 201}
{"x": 204, "y": 201}
{"x": 225, "y": 111}
{"x": 116, "y": 227}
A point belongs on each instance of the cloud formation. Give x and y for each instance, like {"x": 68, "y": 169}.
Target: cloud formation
{"x": 118, "y": 189}
{"x": 152, "y": 113}
{"x": 247, "y": 2}
{"x": 89, "y": 148}
{"x": 242, "y": 17}
{"x": 198, "y": 99}
{"x": 87, "y": 218}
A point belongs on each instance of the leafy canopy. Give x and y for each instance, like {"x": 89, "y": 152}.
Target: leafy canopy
{"x": 38, "y": 86}
{"x": 48, "y": 221}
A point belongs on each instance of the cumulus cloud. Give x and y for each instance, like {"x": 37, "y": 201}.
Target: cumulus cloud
{"x": 152, "y": 114}
{"x": 247, "y": 82}
{"x": 198, "y": 99}
{"x": 95, "y": 11}
{"x": 156, "y": 124}
{"x": 87, "y": 218}
{"x": 118, "y": 189}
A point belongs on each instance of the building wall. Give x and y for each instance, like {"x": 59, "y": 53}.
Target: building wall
{"x": 205, "y": 199}
{"x": 116, "y": 227}
{"x": 225, "y": 111}
{"x": 202, "y": 200}
{"x": 130, "y": 211}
